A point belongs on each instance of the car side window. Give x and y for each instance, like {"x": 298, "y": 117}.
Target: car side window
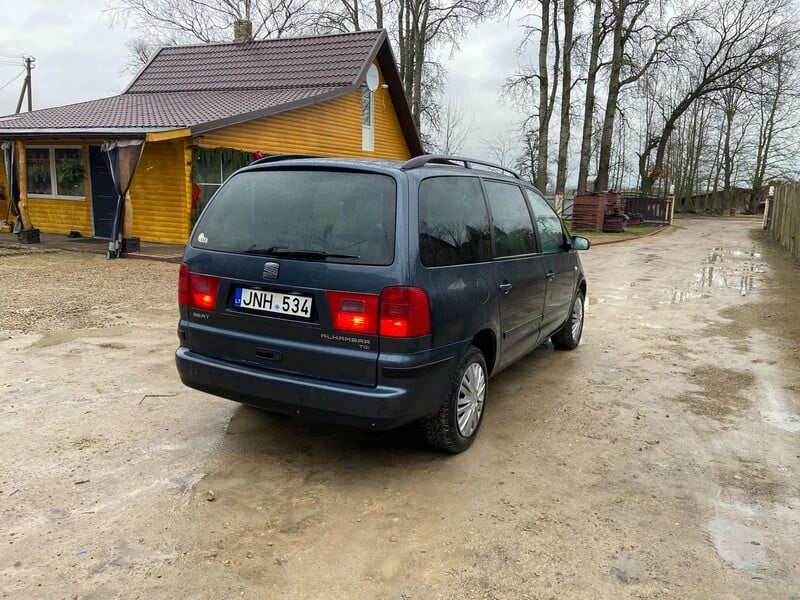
{"x": 551, "y": 233}
{"x": 453, "y": 222}
{"x": 513, "y": 230}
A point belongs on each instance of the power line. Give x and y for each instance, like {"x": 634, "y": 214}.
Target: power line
{"x": 6, "y": 84}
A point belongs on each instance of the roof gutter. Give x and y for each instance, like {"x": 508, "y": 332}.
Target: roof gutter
{"x": 79, "y": 133}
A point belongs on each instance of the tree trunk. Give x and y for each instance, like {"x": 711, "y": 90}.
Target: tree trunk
{"x": 566, "y": 89}
{"x": 606, "y": 137}
{"x": 727, "y": 158}
{"x": 588, "y": 107}
{"x": 766, "y": 134}
{"x": 544, "y": 88}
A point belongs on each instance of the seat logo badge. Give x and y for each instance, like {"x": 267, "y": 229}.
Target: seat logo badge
{"x": 270, "y": 270}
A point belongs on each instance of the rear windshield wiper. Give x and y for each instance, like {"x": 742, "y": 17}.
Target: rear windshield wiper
{"x": 297, "y": 253}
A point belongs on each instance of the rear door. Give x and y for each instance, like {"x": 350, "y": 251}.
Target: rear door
{"x": 519, "y": 275}
{"x": 282, "y": 242}
{"x": 560, "y": 264}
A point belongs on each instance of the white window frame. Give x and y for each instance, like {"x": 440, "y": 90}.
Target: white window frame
{"x": 54, "y": 173}
{"x": 368, "y": 130}
{"x": 204, "y": 184}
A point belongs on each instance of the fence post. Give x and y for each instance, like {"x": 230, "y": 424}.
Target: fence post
{"x": 670, "y": 209}
{"x": 767, "y": 200}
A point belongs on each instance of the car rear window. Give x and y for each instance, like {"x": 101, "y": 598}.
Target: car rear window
{"x": 336, "y": 216}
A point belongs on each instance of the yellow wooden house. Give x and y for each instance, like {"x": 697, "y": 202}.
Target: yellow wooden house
{"x": 201, "y": 112}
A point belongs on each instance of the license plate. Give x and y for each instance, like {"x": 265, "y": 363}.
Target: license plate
{"x": 283, "y": 304}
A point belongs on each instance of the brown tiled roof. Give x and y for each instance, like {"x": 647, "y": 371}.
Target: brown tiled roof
{"x": 321, "y": 61}
{"x": 209, "y": 86}
{"x": 165, "y": 110}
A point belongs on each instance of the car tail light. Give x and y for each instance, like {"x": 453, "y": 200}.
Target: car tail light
{"x": 195, "y": 290}
{"x": 405, "y": 312}
{"x": 354, "y": 313}
{"x": 183, "y": 285}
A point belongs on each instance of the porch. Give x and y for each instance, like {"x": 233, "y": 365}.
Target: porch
{"x": 9, "y": 245}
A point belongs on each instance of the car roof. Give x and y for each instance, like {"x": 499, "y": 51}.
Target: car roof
{"x": 422, "y": 166}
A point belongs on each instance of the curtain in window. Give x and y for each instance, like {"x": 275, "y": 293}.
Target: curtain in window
{"x": 123, "y": 158}
{"x": 10, "y": 160}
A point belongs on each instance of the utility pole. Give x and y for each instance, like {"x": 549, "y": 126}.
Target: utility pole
{"x": 26, "y": 85}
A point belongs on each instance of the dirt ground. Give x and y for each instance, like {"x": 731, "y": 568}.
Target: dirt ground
{"x": 658, "y": 460}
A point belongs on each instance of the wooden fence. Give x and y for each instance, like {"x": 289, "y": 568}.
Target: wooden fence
{"x": 654, "y": 209}
{"x": 783, "y": 217}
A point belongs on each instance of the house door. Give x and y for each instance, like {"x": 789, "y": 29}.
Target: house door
{"x": 104, "y": 195}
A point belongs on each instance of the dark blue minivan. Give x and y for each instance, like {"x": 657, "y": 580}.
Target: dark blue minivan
{"x": 374, "y": 293}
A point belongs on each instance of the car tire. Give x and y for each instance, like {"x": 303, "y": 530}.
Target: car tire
{"x": 456, "y": 425}
{"x": 569, "y": 336}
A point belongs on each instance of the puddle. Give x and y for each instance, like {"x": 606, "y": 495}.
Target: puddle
{"x": 726, "y": 268}
{"x": 738, "y": 545}
{"x": 775, "y": 403}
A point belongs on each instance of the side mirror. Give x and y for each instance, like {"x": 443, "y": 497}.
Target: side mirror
{"x": 580, "y": 243}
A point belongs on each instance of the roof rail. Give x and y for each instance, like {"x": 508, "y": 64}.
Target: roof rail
{"x": 421, "y": 161}
{"x": 279, "y": 157}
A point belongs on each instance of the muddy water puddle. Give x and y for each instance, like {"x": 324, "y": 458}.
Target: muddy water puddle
{"x": 724, "y": 268}
{"x": 738, "y": 545}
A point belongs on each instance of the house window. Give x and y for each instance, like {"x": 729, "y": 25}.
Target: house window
{"x": 211, "y": 167}
{"x": 367, "y": 120}
{"x": 55, "y": 172}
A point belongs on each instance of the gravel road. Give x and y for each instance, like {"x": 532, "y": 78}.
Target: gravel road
{"x": 658, "y": 460}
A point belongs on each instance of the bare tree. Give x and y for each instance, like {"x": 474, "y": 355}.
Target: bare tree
{"x": 775, "y": 100}
{"x": 198, "y": 20}
{"x": 504, "y": 149}
{"x": 638, "y": 42}
{"x": 420, "y": 26}
{"x": 598, "y": 33}
{"x": 531, "y": 87}
{"x": 525, "y": 163}
{"x": 454, "y": 129}
{"x": 139, "y": 52}
{"x": 733, "y": 39}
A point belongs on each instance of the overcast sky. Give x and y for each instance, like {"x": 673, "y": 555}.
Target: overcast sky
{"x": 79, "y": 57}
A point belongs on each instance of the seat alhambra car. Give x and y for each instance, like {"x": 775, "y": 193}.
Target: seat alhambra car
{"x": 374, "y": 293}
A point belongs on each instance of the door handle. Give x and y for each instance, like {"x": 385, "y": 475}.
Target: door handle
{"x": 550, "y": 276}
{"x": 268, "y": 354}
{"x": 505, "y": 288}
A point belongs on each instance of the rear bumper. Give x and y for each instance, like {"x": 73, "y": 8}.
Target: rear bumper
{"x": 403, "y": 397}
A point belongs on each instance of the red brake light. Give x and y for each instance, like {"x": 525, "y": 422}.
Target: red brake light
{"x": 204, "y": 291}
{"x": 405, "y": 312}
{"x": 354, "y": 313}
{"x": 195, "y": 290}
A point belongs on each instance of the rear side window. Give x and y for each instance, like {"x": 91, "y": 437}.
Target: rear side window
{"x": 551, "y": 233}
{"x": 513, "y": 229}
{"x": 453, "y": 222}
{"x": 351, "y": 215}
